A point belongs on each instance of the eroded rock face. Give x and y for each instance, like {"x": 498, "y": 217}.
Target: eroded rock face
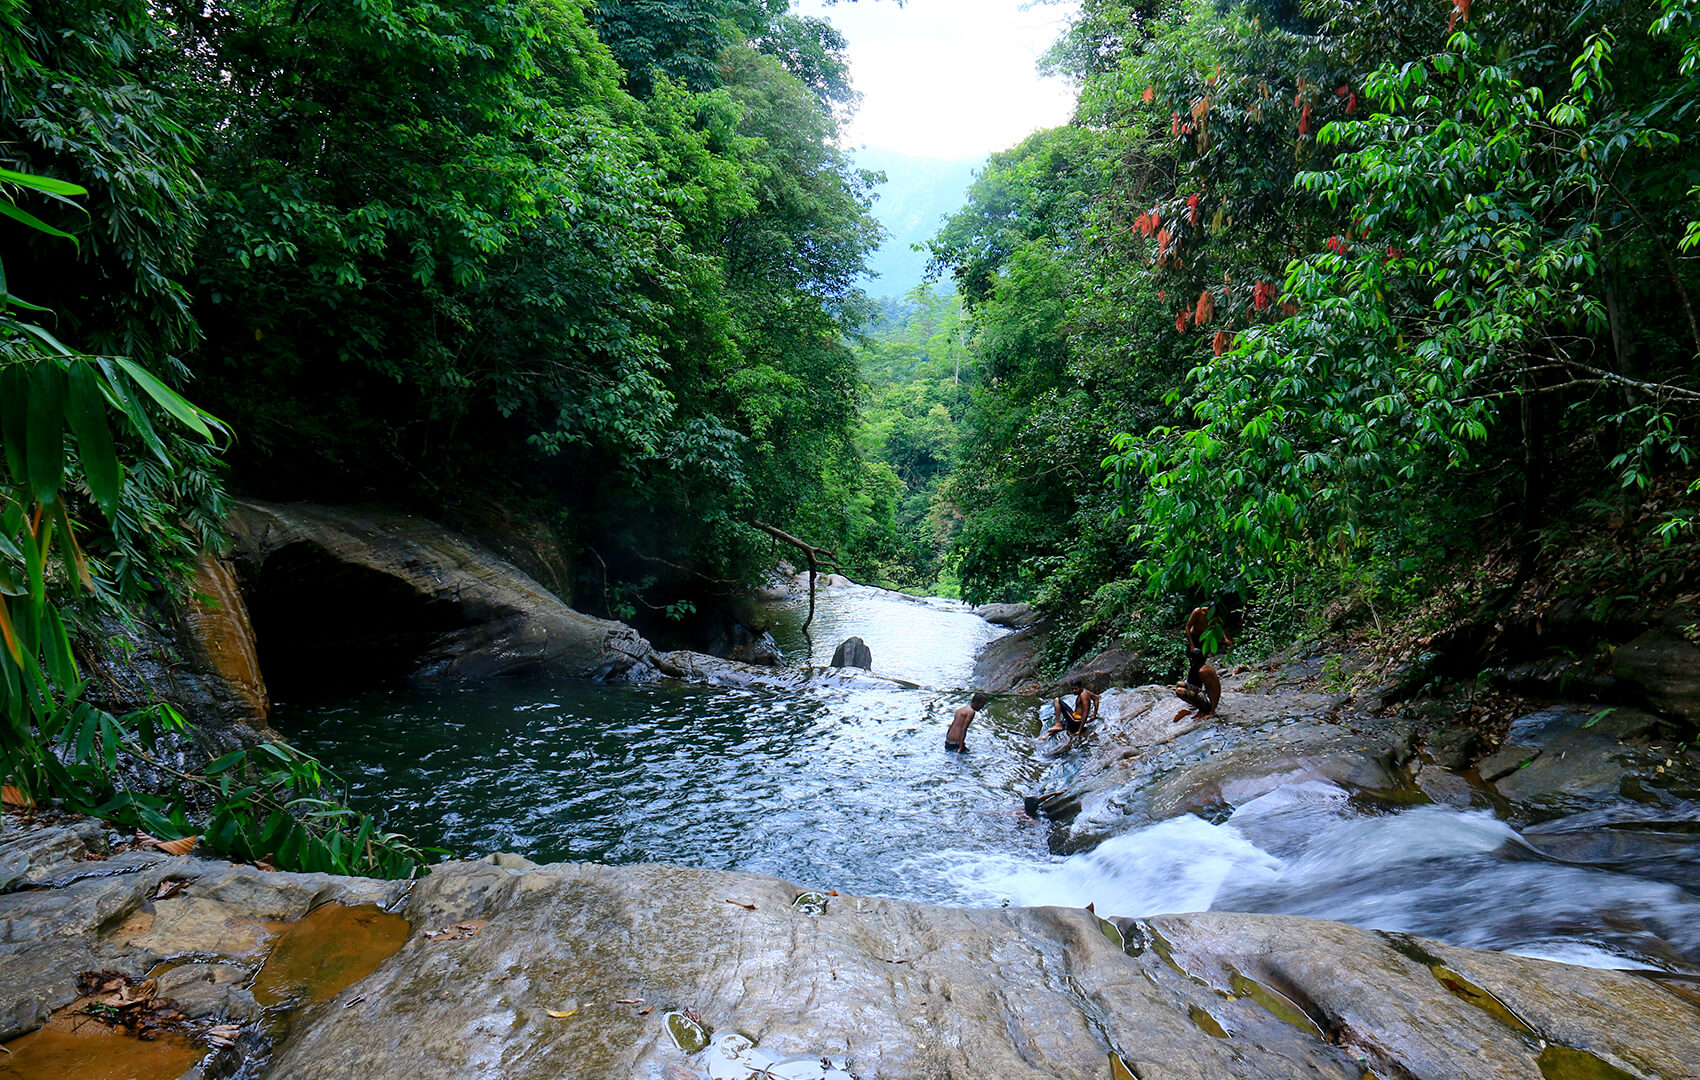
{"x": 200, "y": 658}
{"x": 400, "y": 596}
{"x": 1153, "y": 757}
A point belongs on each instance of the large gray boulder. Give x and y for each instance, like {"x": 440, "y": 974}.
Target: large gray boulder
{"x": 403, "y": 596}
{"x": 1666, "y": 667}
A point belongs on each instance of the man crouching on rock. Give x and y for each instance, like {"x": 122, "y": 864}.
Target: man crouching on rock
{"x": 959, "y": 723}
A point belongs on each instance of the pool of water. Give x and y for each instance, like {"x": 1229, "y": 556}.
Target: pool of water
{"x": 845, "y": 784}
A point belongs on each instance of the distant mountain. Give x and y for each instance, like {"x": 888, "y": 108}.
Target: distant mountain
{"x": 916, "y": 196}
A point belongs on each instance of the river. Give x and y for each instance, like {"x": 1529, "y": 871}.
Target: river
{"x": 844, "y": 784}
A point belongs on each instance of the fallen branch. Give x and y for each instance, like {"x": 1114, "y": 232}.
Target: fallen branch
{"x": 817, "y": 557}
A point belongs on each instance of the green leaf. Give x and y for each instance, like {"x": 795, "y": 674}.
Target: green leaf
{"x": 173, "y": 402}
{"x": 17, "y": 214}
{"x": 46, "y": 430}
{"x": 14, "y": 421}
{"x": 85, "y": 410}
{"x": 41, "y": 183}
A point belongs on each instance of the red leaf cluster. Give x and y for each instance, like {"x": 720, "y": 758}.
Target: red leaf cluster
{"x": 1192, "y": 209}
{"x": 1147, "y": 223}
{"x": 1338, "y": 246}
{"x": 1150, "y": 92}
{"x": 1262, "y": 294}
{"x": 1205, "y": 310}
{"x": 1180, "y": 320}
{"x": 1222, "y": 342}
{"x": 1460, "y": 13}
{"x": 1304, "y": 119}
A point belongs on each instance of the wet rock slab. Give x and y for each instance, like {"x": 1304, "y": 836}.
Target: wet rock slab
{"x": 517, "y": 971}
{"x": 591, "y": 971}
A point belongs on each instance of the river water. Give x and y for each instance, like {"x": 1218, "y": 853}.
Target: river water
{"x": 845, "y": 784}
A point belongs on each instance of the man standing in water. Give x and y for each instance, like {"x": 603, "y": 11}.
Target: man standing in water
{"x": 959, "y": 723}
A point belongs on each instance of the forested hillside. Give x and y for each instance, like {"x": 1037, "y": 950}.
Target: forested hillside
{"x": 575, "y": 273}
{"x": 1315, "y": 304}
{"x": 588, "y": 264}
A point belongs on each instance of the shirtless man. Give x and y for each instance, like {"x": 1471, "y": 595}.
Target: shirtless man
{"x": 1074, "y": 720}
{"x": 1196, "y": 624}
{"x": 959, "y": 723}
{"x": 1203, "y": 687}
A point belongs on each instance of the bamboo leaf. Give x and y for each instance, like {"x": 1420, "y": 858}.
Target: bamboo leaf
{"x": 14, "y": 420}
{"x": 11, "y": 635}
{"x": 45, "y": 430}
{"x": 41, "y": 183}
{"x": 173, "y": 402}
{"x": 17, "y": 213}
{"x": 85, "y": 410}
{"x": 69, "y": 549}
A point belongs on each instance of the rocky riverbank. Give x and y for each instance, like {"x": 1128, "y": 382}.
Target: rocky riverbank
{"x": 513, "y": 970}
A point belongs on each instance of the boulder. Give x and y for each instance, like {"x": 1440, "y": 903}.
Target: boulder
{"x": 1014, "y": 616}
{"x": 1113, "y": 667}
{"x": 853, "y": 652}
{"x": 1153, "y": 757}
{"x": 1666, "y": 668}
{"x": 340, "y": 596}
{"x": 1009, "y": 664}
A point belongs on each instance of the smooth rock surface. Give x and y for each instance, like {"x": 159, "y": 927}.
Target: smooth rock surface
{"x": 1666, "y": 667}
{"x": 886, "y": 989}
{"x": 580, "y": 970}
{"x": 1009, "y": 664}
{"x": 1014, "y": 616}
{"x": 489, "y": 619}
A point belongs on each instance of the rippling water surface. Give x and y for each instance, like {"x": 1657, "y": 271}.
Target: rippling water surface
{"x": 846, "y": 785}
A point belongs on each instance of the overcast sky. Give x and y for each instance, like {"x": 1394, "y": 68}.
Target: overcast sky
{"x": 949, "y": 78}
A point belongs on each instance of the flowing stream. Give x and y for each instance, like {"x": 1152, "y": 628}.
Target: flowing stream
{"x": 844, "y": 784}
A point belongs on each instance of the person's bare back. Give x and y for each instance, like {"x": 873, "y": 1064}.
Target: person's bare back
{"x": 953, "y": 737}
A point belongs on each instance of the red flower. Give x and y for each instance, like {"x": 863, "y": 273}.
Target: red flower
{"x": 1192, "y": 209}
{"x": 1180, "y": 321}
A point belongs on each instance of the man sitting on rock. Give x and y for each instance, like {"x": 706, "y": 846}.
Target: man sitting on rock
{"x": 1073, "y": 715}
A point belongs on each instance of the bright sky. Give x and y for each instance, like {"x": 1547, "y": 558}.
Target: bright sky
{"x": 949, "y": 78}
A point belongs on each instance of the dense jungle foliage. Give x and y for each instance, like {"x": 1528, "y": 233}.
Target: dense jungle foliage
{"x": 1308, "y": 299}
{"x": 590, "y": 262}
{"x": 1329, "y": 293}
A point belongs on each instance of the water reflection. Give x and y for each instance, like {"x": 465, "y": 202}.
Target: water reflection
{"x": 829, "y": 786}
{"x": 846, "y": 785}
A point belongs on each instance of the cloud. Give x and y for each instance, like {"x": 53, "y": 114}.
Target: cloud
{"x": 949, "y": 78}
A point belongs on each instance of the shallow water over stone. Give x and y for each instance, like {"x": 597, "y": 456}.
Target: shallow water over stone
{"x": 845, "y": 785}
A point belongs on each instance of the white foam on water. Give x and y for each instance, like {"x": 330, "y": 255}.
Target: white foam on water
{"x": 1173, "y": 866}
{"x": 1579, "y": 953}
{"x": 1302, "y": 849}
